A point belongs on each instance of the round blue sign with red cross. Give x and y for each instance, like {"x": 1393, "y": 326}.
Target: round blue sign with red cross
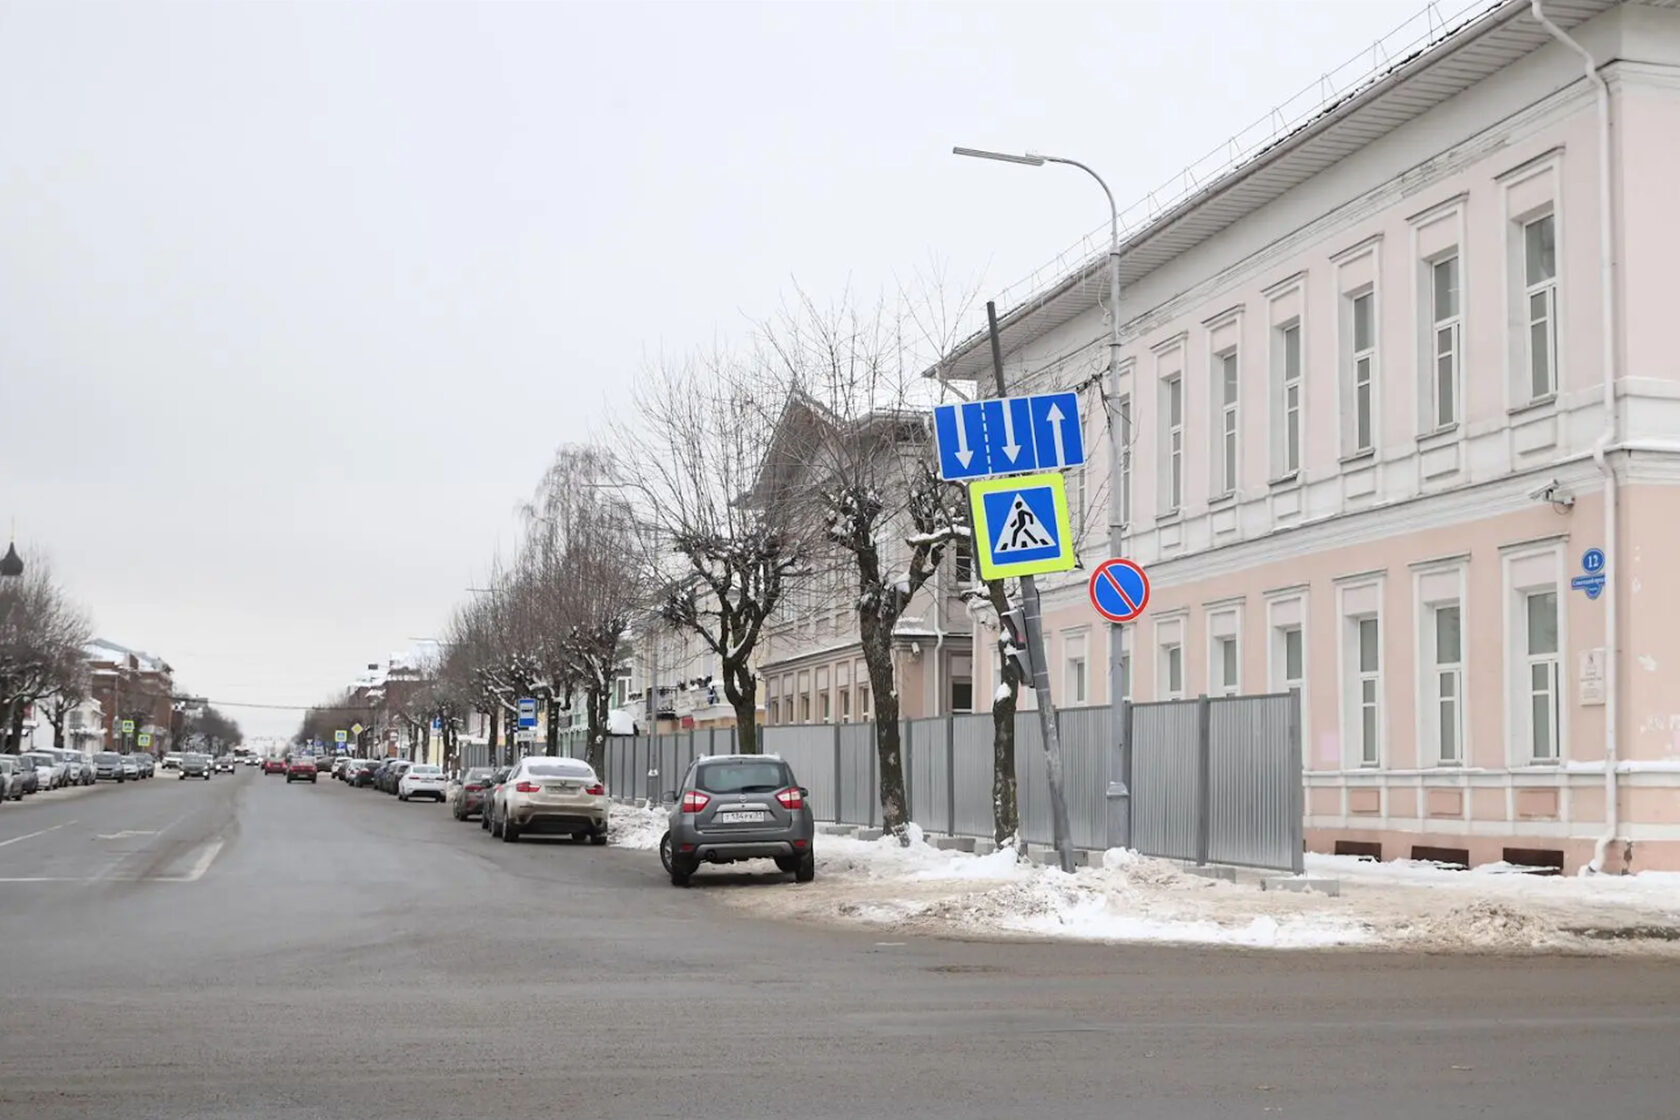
{"x": 1119, "y": 590}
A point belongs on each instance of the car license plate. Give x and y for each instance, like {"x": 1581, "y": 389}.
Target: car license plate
{"x": 752, "y": 816}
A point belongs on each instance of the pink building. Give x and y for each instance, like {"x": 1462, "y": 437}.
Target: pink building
{"x": 1363, "y": 382}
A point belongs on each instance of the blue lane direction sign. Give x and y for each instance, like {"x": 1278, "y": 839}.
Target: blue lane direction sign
{"x": 959, "y": 433}
{"x": 1008, "y": 435}
{"x": 1592, "y": 561}
{"x": 527, "y": 712}
{"x": 1119, "y": 590}
{"x": 1021, "y": 526}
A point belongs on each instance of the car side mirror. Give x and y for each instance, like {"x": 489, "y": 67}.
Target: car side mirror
{"x": 670, "y": 797}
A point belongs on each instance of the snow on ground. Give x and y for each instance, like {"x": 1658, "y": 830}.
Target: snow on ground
{"x": 1406, "y": 905}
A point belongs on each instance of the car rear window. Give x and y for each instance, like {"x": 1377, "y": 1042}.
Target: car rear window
{"x": 477, "y": 774}
{"x": 560, "y": 768}
{"x": 425, "y": 771}
{"x": 109, "y": 757}
{"x": 743, "y": 777}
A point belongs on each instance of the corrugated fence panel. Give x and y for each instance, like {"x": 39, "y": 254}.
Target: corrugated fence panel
{"x": 1254, "y": 782}
{"x": 1165, "y": 779}
{"x": 809, "y": 749}
{"x": 926, "y": 772}
{"x": 972, "y": 774}
{"x": 1031, "y": 782}
{"x": 1086, "y": 734}
{"x": 857, "y": 773}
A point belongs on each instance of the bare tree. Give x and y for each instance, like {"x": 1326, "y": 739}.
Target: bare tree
{"x": 73, "y": 686}
{"x": 868, "y": 471}
{"x": 42, "y": 636}
{"x": 725, "y": 509}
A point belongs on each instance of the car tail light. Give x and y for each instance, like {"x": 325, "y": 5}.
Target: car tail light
{"x": 528, "y": 787}
{"x": 791, "y": 798}
{"x": 596, "y": 790}
{"x": 693, "y": 801}
{"x": 472, "y": 789}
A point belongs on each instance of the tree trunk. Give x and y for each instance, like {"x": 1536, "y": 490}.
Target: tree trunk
{"x": 597, "y": 701}
{"x": 496, "y": 736}
{"x": 58, "y": 730}
{"x": 741, "y": 690}
{"x": 877, "y": 655}
{"x": 1006, "y": 808}
{"x": 551, "y": 732}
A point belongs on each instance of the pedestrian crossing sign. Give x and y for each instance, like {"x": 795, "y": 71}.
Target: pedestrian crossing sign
{"x": 1021, "y": 525}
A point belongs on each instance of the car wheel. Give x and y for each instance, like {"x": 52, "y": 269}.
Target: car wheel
{"x": 681, "y": 870}
{"x": 598, "y": 837}
{"x": 807, "y": 870}
{"x": 787, "y": 865}
{"x": 510, "y": 831}
{"x": 665, "y": 852}
{"x": 402, "y": 797}
{"x": 181, "y": 778}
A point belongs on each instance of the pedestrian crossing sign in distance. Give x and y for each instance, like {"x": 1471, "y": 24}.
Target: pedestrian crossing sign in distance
{"x": 1021, "y": 525}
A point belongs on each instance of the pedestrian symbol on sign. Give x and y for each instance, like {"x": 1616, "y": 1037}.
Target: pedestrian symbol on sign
{"x": 1022, "y": 529}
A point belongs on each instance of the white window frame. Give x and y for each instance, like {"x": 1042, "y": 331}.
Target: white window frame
{"x": 1172, "y": 657}
{"x": 1443, "y": 673}
{"x": 1360, "y": 599}
{"x": 1225, "y": 395}
{"x": 1287, "y": 611}
{"x": 1531, "y": 570}
{"x": 1545, "y": 290}
{"x": 1438, "y": 584}
{"x": 1360, "y": 372}
{"x": 1224, "y": 623}
{"x": 1446, "y": 397}
{"x": 1172, "y": 443}
{"x": 1292, "y": 391}
{"x": 1076, "y": 666}
{"x": 1547, "y": 665}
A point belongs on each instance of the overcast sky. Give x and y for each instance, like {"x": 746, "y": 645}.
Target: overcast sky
{"x": 298, "y": 299}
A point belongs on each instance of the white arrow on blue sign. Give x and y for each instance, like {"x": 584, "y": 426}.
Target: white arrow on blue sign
{"x": 1008, "y": 435}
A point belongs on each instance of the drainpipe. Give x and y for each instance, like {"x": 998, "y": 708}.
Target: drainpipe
{"x": 1607, "y": 438}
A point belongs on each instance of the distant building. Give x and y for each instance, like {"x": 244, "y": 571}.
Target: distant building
{"x": 128, "y": 684}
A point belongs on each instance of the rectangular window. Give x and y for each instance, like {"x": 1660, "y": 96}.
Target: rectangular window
{"x": 1225, "y": 657}
{"x": 845, "y": 705}
{"x": 863, "y": 701}
{"x": 962, "y": 560}
{"x": 1446, "y": 340}
{"x": 1225, "y": 422}
{"x": 962, "y": 694}
{"x": 1362, "y": 370}
{"x": 805, "y": 708}
{"x": 823, "y": 706}
{"x": 1172, "y": 670}
{"x": 1540, "y": 290}
{"x": 1075, "y": 669}
{"x": 1294, "y": 658}
{"x": 1370, "y": 691}
{"x": 1172, "y": 470}
{"x": 1290, "y": 339}
{"x": 1449, "y": 684}
{"x": 1541, "y": 617}
{"x": 1125, "y": 460}
{"x": 770, "y": 711}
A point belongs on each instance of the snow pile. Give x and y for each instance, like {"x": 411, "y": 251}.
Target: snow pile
{"x": 631, "y": 826}
{"x": 1131, "y": 898}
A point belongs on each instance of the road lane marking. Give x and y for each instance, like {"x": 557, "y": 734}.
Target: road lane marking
{"x": 205, "y": 859}
{"x": 32, "y": 835}
{"x": 125, "y": 834}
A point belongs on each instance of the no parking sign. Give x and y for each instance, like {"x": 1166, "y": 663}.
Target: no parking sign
{"x": 1119, "y": 590}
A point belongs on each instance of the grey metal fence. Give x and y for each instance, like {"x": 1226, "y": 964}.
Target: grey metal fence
{"x": 1211, "y": 780}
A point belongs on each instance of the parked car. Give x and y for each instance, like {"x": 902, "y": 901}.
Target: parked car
{"x": 736, "y": 807}
{"x": 469, "y": 788}
{"x": 492, "y": 785}
{"x": 130, "y": 769}
{"x": 51, "y": 772}
{"x": 194, "y": 766}
{"x": 145, "y": 763}
{"x": 422, "y": 779}
{"x": 107, "y": 766}
{"x": 171, "y": 761}
{"x": 554, "y": 795}
{"x": 78, "y": 771}
{"x": 392, "y": 774}
{"x": 366, "y": 775}
{"x": 11, "y": 779}
{"x": 301, "y": 768}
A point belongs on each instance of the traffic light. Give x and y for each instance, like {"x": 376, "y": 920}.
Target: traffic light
{"x": 1016, "y": 650}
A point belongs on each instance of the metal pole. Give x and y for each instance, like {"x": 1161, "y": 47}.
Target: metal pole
{"x": 1033, "y": 614}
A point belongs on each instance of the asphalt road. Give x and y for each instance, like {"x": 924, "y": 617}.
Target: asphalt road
{"x": 241, "y": 948}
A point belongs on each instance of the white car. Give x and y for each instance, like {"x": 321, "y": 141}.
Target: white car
{"x": 52, "y": 772}
{"x": 545, "y": 794}
{"x": 422, "y": 780}
{"x": 130, "y": 769}
{"x": 171, "y": 761}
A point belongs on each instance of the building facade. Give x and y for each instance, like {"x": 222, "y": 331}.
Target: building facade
{"x": 1367, "y": 449}
{"x": 133, "y": 686}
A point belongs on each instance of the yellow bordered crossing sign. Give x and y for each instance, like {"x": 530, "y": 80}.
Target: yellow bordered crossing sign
{"x": 1021, "y": 525}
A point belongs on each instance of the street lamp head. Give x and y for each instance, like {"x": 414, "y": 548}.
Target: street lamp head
{"x": 1030, "y": 159}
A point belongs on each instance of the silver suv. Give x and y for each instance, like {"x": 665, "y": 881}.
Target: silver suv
{"x": 739, "y": 806}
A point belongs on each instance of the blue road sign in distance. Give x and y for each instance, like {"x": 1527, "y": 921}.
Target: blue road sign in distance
{"x": 1592, "y": 561}
{"x": 527, "y": 712}
{"x": 1008, "y": 435}
{"x": 1119, "y": 590}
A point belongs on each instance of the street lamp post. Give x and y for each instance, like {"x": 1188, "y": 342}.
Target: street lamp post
{"x": 1119, "y": 796}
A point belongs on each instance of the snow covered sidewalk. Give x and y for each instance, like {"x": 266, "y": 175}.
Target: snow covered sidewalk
{"x": 1134, "y": 899}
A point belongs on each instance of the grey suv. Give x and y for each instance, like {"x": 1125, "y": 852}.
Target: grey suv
{"x": 739, "y": 806}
